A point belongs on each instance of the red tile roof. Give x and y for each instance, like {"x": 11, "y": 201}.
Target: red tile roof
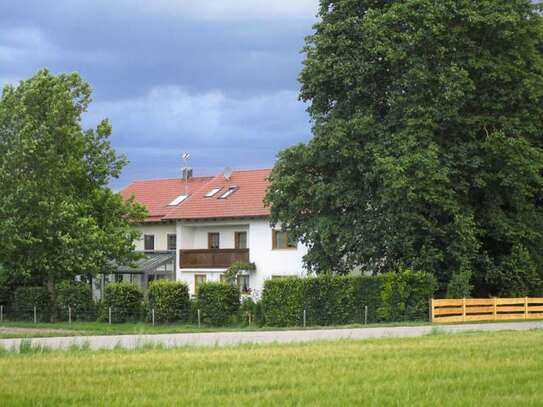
{"x": 247, "y": 201}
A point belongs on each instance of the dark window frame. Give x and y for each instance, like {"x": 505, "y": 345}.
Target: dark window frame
{"x": 168, "y": 241}
{"x": 237, "y": 240}
{"x": 211, "y": 243}
{"x": 290, "y": 245}
{"x": 146, "y": 241}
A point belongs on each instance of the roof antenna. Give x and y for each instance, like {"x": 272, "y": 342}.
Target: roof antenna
{"x": 186, "y": 171}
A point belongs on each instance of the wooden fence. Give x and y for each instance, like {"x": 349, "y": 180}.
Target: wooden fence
{"x": 485, "y": 309}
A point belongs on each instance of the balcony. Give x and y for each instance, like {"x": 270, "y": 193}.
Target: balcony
{"x": 211, "y": 258}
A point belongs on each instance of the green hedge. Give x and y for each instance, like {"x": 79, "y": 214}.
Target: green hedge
{"x": 405, "y": 296}
{"x": 78, "y": 296}
{"x": 335, "y": 300}
{"x": 219, "y": 303}
{"x": 26, "y": 298}
{"x": 125, "y": 300}
{"x": 170, "y": 300}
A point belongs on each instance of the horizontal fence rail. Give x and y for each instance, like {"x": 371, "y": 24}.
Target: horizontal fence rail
{"x": 486, "y": 309}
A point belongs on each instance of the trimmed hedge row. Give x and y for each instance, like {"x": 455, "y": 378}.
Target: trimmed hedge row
{"x": 170, "y": 300}
{"x": 331, "y": 300}
{"x": 78, "y": 296}
{"x": 125, "y": 300}
{"x": 219, "y": 303}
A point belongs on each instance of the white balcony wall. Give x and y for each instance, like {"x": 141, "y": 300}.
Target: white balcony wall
{"x": 159, "y": 230}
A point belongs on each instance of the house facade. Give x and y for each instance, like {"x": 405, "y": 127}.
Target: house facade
{"x": 198, "y": 226}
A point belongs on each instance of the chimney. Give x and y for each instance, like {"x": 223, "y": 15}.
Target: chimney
{"x": 186, "y": 173}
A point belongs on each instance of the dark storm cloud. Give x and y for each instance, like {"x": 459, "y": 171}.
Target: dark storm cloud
{"x": 215, "y": 78}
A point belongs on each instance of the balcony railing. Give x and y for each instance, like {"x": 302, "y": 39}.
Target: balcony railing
{"x": 211, "y": 258}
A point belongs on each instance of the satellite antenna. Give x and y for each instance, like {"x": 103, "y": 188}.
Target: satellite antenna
{"x": 186, "y": 169}
{"x": 227, "y": 173}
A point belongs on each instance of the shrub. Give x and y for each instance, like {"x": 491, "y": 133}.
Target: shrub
{"x": 330, "y": 300}
{"x": 219, "y": 303}
{"x": 26, "y": 298}
{"x": 194, "y": 306}
{"x": 517, "y": 275}
{"x": 170, "y": 300}
{"x": 283, "y": 301}
{"x": 460, "y": 285}
{"x": 249, "y": 306}
{"x": 125, "y": 301}
{"x": 368, "y": 293}
{"x": 78, "y": 296}
{"x": 405, "y": 296}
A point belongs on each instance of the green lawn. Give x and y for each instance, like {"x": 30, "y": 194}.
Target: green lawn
{"x": 503, "y": 368}
{"x": 101, "y": 328}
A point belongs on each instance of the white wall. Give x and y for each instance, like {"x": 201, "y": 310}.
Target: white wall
{"x": 272, "y": 262}
{"x": 269, "y": 262}
{"x": 159, "y": 230}
{"x": 195, "y": 236}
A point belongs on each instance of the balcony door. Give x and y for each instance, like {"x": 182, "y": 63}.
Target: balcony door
{"x": 213, "y": 240}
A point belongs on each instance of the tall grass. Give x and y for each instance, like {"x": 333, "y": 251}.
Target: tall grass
{"x": 502, "y": 368}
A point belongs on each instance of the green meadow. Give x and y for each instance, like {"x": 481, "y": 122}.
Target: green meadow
{"x": 501, "y": 368}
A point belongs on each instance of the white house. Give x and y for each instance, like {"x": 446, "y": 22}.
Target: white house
{"x": 198, "y": 226}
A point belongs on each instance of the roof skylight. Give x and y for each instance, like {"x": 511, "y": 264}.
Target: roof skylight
{"x": 228, "y": 192}
{"x": 213, "y": 192}
{"x": 178, "y": 200}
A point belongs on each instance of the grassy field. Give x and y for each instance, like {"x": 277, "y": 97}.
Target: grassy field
{"x": 503, "y": 368}
{"x": 138, "y": 328}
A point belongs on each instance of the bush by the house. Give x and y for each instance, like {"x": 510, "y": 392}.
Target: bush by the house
{"x": 26, "y": 298}
{"x": 283, "y": 301}
{"x": 368, "y": 294}
{"x": 170, "y": 300}
{"x": 77, "y": 296}
{"x": 125, "y": 301}
{"x": 219, "y": 303}
{"x": 330, "y": 300}
{"x": 251, "y": 311}
{"x": 405, "y": 296}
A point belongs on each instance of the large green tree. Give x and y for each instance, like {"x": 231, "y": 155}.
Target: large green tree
{"x": 427, "y": 149}
{"x": 58, "y": 217}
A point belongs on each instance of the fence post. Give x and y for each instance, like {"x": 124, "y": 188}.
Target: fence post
{"x": 69, "y": 315}
{"x": 365, "y": 315}
{"x": 431, "y": 310}
{"x": 305, "y": 320}
{"x": 35, "y": 315}
{"x": 525, "y": 307}
{"x": 153, "y": 316}
{"x": 198, "y": 317}
{"x": 495, "y": 310}
{"x": 109, "y": 315}
{"x": 464, "y": 309}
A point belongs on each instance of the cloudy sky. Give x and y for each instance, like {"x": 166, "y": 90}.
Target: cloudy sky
{"x": 216, "y": 78}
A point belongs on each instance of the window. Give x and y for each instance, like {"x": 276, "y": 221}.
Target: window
{"x": 213, "y": 192}
{"x": 172, "y": 242}
{"x": 178, "y": 200}
{"x": 240, "y": 240}
{"x": 281, "y": 240}
{"x": 148, "y": 242}
{"x": 243, "y": 283}
{"x": 199, "y": 279}
{"x": 213, "y": 240}
{"x": 228, "y": 192}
